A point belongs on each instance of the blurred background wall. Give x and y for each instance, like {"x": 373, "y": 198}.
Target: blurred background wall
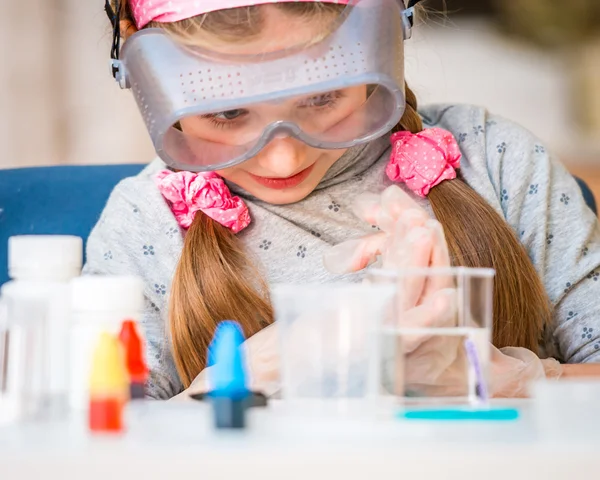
{"x": 534, "y": 61}
{"x": 58, "y": 103}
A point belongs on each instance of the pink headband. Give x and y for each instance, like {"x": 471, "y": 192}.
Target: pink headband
{"x": 166, "y": 11}
{"x": 423, "y": 160}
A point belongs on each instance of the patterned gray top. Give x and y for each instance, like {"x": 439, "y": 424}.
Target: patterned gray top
{"x": 505, "y": 164}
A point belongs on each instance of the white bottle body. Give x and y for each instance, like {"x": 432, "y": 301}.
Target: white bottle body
{"x": 99, "y": 304}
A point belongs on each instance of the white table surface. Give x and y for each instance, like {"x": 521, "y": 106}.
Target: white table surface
{"x": 172, "y": 442}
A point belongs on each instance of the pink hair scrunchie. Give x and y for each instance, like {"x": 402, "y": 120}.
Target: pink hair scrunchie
{"x": 423, "y": 160}
{"x": 189, "y": 193}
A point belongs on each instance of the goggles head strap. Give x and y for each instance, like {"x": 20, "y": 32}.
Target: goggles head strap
{"x": 114, "y": 16}
{"x": 409, "y": 13}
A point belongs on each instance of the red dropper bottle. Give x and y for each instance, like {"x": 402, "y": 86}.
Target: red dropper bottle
{"x": 134, "y": 359}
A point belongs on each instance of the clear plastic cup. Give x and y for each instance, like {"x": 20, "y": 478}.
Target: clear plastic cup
{"x": 441, "y": 325}
{"x": 330, "y": 346}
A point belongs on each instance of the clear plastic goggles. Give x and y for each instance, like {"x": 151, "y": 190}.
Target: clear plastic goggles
{"x": 208, "y": 111}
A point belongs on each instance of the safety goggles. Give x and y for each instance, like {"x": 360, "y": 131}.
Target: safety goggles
{"x": 208, "y": 111}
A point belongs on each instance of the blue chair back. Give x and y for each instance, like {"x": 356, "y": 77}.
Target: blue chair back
{"x": 588, "y": 195}
{"x": 61, "y": 200}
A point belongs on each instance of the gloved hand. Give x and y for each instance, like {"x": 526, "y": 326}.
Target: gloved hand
{"x": 433, "y": 365}
{"x": 407, "y": 235}
{"x": 514, "y": 369}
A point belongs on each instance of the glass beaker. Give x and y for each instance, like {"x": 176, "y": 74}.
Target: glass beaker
{"x": 441, "y": 325}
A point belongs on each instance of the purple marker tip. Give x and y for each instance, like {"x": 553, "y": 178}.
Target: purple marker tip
{"x": 476, "y": 364}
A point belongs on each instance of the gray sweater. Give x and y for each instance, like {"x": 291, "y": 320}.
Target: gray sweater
{"x": 137, "y": 233}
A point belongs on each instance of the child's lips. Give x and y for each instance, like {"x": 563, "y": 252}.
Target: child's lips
{"x": 278, "y": 183}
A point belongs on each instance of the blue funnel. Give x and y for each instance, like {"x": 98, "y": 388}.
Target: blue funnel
{"x": 227, "y": 375}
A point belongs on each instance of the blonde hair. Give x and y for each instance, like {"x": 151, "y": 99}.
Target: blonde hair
{"x": 215, "y": 279}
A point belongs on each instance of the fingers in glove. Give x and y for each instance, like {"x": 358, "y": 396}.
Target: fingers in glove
{"x": 354, "y": 255}
{"x": 411, "y": 247}
{"x": 385, "y": 209}
{"x": 440, "y": 258}
{"x": 439, "y": 311}
{"x": 411, "y": 218}
{"x": 439, "y": 362}
{"x": 411, "y": 251}
{"x": 395, "y": 201}
{"x": 366, "y": 206}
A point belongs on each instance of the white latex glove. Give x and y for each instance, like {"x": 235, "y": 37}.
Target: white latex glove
{"x": 262, "y": 357}
{"x": 409, "y": 238}
{"x": 514, "y": 369}
{"x": 433, "y": 366}
{"x": 398, "y": 217}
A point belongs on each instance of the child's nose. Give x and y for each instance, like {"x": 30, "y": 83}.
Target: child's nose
{"x": 282, "y": 157}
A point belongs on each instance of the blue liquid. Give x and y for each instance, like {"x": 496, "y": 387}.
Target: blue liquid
{"x": 461, "y": 414}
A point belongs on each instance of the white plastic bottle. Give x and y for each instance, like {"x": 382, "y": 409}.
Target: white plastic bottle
{"x": 41, "y": 268}
{"x": 100, "y": 304}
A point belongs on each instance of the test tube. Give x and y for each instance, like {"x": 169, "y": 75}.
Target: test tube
{"x": 22, "y": 375}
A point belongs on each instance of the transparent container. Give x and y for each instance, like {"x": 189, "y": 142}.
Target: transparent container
{"x": 330, "y": 346}
{"x": 441, "y": 326}
{"x": 23, "y": 366}
{"x": 41, "y": 267}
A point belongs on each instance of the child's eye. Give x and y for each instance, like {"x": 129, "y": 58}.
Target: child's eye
{"x": 228, "y": 115}
{"x": 225, "y": 119}
{"x": 328, "y": 99}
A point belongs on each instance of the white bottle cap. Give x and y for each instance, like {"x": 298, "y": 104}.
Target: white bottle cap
{"x": 103, "y": 294}
{"x": 45, "y": 257}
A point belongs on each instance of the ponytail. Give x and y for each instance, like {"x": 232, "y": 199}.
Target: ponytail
{"x": 478, "y": 236}
{"x": 215, "y": 280}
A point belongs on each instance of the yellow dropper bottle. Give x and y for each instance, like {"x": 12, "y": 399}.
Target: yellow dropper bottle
{"x": 109, "y": 386}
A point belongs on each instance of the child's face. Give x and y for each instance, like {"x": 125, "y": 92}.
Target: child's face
{"x": 286, "y": 170}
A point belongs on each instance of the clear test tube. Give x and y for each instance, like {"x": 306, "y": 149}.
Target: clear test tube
{"x": 22, "y": 368}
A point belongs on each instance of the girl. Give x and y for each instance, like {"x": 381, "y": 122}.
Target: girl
{"x": 290, "y": 109}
